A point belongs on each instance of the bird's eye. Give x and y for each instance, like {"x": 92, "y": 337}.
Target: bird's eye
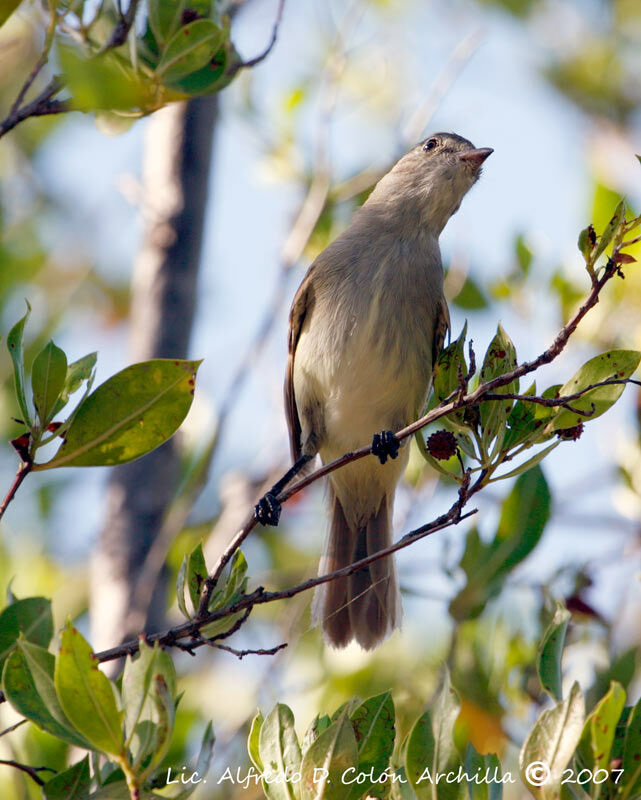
{"x": 430, "y": 144}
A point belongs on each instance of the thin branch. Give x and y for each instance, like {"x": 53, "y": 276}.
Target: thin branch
{"x": 23, "y": 470}
{"x": 13, "y": 727}
{"x": 253, "y": 61}
{"x": 42, "y": 105}
{"x": 32, "y": 772}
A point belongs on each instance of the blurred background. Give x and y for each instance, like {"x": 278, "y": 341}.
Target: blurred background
{"x": 99, "y": 222}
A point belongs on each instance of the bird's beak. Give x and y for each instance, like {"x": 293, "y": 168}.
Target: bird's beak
{"x": 476, "y": 157}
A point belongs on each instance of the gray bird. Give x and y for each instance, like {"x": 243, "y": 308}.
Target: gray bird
{"x": 366, "y": 326}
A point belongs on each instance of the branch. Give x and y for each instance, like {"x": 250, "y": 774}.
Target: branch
{"x": 32, "y": 772}
{"x": 23, "y": 470}
{"x": 253, "y": 61}
{"x": 41, "y": 106}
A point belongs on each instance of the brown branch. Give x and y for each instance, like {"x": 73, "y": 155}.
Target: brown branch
{"x": 23, "y": 470}
{"x": 257, "y": 59}
{"x": 32, "y": 772}
{"x": 41, "y": 106}
{"x": 260, "y": 597}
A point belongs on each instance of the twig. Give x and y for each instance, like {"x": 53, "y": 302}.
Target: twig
{"x": 23, "y": 470}
{"x": 32, "y": 772}
{"x": 121, "y": 31}
{"x": 257, "y": 59}
{"x": 240, "y": 654}
{"x": 260, "y": 597}
{"x": 13, "y": 727}
{"x": 41, "y": 106}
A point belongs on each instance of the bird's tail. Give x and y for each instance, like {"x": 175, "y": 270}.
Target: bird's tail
{"x": 364, "y": 606}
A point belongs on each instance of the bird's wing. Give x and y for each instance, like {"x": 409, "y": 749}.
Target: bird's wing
{"x": 301, "y": 308}
{"x": 441, "y": 327}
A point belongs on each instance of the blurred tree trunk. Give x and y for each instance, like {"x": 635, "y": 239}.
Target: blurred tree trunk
{"x": 176, "y": 170}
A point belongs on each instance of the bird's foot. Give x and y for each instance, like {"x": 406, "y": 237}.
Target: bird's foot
{"x": 267, "y": 510}
{"x": 384, "y": 445}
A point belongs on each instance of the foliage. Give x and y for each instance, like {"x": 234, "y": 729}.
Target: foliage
{"x": 359, "y": 751}
{"x": 67, "y": 696}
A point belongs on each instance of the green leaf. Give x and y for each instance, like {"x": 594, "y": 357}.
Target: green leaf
{"x": 595, "y": 746}
{"x": 499, "y": 359}
{"x": 484, "y": 782}
{"x": 129, "y": 415}
{"x": 16, "y": 350}
{"x": 72, "y": 784}
{"x": 86, "y": 695}
{"x": 527, "y": 465}
{"x": 48, "y": 376}
{"x": 23, "y": 679}
{"x": 613, "y": 364}
{"x": 373, "y": 723}
{"x": 164, "y": 18}
{"x": 196, "y": 574}
{"x": 190, "y": 49}
{"x": 252, "y": 741}
{"x": 330, "y": 760}
{"x": 77, "y": 372}
{"x": 7, "y": 7}
{"x": 279, "y": 753}
{"x": 430, "y": 748}
{"x": 524, "y": 515}
{"x": 631, "y": 778}
{"x": 30, "y": 617}
{"x": 148, "y": 691}
{"x": 450, "y": 360}
{"x": 233, "y": 583}
{"x": 551, "y": 651}
{"x": 203, "y": 763}
{"x": 523, "y": 255}
{"x": 319, "y": 725}
{"x": 520, "y": 421}
{"x": 181, "y": 580}
{"x": 610, "y": 229}
{"x": 470, "y": 296}
{"x": 552, "y": 741}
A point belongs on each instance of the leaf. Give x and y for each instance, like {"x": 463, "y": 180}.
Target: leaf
{"x": 552, "y": 741}
{"x": 430, "y": 748}
{"x": 373, "y": 723}
{"x": 181, "y": 579}
{"x": 527, "y": 465}
{"x": 189, "y": 49}
{"x": 631, "y": 778}
{"x": 164, "y": 18}
{"x": 596, "y": 742}
{"x": 470, "y": 296}
{"x": 484, "y": 781}
{"x": 523, "y": 255}
{"x": 25, "y": 694}
{"x": 319, "y": 725}
{"x": 196, "y": 574}
{"x": 129, "y": 415}
{"x": 524, "y": 515}
{"x": 77, "y": 372}
{"x": 610, "y": 229}
{"x": 613, "y": 364}
{"x": 72, "y": 784}
{"x": 252, "y": 741}
{"x": 148, "y": 689}
{"x": 16, "y": 350}
{"x": 499, "y": 359}
{"x": 279, "y": 753}
{"x": 48, "y": 376}
{"x": 551, "y": 651}
{"x": 7, "y": 7}
{"x": 330, "y": 760}
{"x": 30, "y": 617}
{"x": 203, "y": 763}
{"x": 86, "y": 695}
{"x": 450, "y": 360}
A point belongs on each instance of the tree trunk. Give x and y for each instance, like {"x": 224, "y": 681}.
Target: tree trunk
{"x": 175, "y": 187}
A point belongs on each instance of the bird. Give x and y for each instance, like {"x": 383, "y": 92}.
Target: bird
{"x": 365, "y": 329}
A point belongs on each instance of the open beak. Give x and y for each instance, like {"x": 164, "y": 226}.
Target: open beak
{"x": 477, "y": 156}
